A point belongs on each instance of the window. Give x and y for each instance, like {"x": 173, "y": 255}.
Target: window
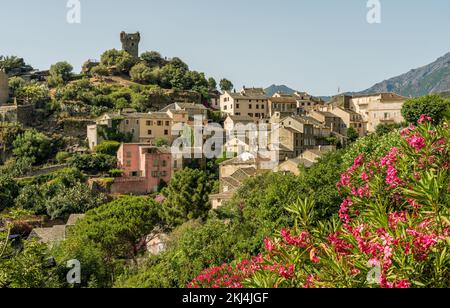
{"x": 167, "y": 123}
{"x": 250, "y": 106}
{"x": 155, "y": 174}
{"x": 149, "y": 123}
{"x": 175, "y": 164}
{"x": 134, "y": 174}
{"x": 257, "y": 106}
{"x": 250, "y": 115}
{"x": 163, "y": 174}
{"x": 238, "y": 113}
{"x": 137, "y": 121}
{"x": 164, "y": 163}
{"x": 166, "y": 132}
{"x": 225, "y": 107}
{"x": 257, "y": 115}
{"x": 160, "y": 123}
{"x": 127, "y": 122}
{"x": 237, "y": 106}
{"x": 149, "y": 132}
{"x": 128, "y": 164}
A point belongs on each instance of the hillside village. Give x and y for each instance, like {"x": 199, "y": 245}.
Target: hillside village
{"x": 109, "y": 132}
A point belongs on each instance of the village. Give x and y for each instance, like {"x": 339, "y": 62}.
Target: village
{"x": 306, "y": 128}
{"x": 145, "y": 173}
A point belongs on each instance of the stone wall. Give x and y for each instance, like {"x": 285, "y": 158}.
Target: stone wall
{"x": 130, "y": 186}
{"x": 23, "y": 114}
{"x": 76, "y": 128}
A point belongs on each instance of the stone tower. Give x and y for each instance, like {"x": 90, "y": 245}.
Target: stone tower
{"x": 130, "y": 43}
{"x": 4, "y": 89}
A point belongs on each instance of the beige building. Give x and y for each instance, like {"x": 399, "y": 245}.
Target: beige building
{"x": 296, "y": 135}
{"x": 328, "y": 119}
{"x": 381, "y": 108}
{"x": 349, "y": 119}
{"x": 251, "y": 102}
{"x": 143, "y": 127}
{"x": 234, "y": 172}
{"x": 284, "y": 104}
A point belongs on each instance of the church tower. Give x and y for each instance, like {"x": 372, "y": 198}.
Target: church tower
{"x": 130, "y": 43}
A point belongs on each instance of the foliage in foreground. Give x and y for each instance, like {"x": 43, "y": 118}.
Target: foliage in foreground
{"x": 394, "y": 228}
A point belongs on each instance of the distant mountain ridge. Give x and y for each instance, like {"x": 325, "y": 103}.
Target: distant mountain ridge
{"x": 270, "y": 91}
{"x": 431, "y": 78}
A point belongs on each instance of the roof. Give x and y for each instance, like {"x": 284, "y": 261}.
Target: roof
{"x": 49, "y": 235}
{"x": 73, "y": 219}
{"x": 384, "y": 95}
{"x": 249, "y": 93}
{"x": 240, "y": 118}
{"x": 284, "y": 99}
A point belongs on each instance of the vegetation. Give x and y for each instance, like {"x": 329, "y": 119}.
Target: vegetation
{"x": 433, "y": 105}
{"x": 392, "y": 232}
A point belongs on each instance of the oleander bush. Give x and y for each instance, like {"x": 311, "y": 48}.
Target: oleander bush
{"x": 393, "y": 229}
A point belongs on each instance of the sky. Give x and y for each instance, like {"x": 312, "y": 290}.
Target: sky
{"x": 316, "y": 46}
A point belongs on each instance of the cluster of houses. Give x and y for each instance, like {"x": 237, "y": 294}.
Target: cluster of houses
{"x": 307, "y": 128}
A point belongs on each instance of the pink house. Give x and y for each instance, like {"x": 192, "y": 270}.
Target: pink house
{"x": 144, "y": 168}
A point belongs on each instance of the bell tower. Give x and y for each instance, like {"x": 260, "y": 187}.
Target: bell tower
{"x": 130, "y": 43}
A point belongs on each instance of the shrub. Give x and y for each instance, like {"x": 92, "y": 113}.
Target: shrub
{"x": 62, "y": 157}
{"x": 433, "y": 105}
{"x": 108, "y": 147}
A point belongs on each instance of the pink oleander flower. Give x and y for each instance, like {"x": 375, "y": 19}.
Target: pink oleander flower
{"x": 417, "y": 142}
{"x": 313, "y": 256}
{"x": 405, "y": 132}
{"x": 392, "y": 178}
{"x": 287, "y": 273}
{"x": 365, "y": 177}
{"x": 269, "y": 245}
{"x": 425, "y": 119}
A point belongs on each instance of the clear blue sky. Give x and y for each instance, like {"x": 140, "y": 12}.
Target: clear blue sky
{"x": 311, "y": 45}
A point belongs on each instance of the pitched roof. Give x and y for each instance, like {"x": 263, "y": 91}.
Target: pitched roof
{"x": 241, "y": 118}
{"x": 73, "y": 219}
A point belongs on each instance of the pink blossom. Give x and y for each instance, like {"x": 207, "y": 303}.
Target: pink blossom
{"x": 365, "y": 176}
{"x": 417, "y": 142}
{"x": 268, "y": 244}
{"x": 392, "y": 177}
{"x": 425, "y": 119}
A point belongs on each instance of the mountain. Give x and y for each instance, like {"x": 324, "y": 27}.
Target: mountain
{"x": 431, "y": 78}
{"x": 278, "y": 88}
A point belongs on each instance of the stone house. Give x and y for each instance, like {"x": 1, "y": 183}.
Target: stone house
{"x": 379, "y": 108}
{"x": 4, "y": 88}
{"x": 144, "y": 168}
{"x": 252, "y": 102}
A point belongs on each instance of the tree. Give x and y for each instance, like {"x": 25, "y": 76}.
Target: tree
{"x": 16, "y": 84}
{"x": 212, "y": 83}
{"x": 108, "y": 234}
{"x": 153, "y": 59}
{"x": 36, "y": 94}
{"x": 431, "y": 105}
{"x": 226, "y": 85}
{"x": 34, "y": 145}
{"x": 76, "y": 199}
{"x": 178, "y": 63}
{"x": 60, "y": 73}
{"x": 94, "y": 163}
{"x": 10, "y": 63}
{"x": 141, "y": 73}
{"x": 9, "y": 190}
{"x": 119, "y": 61}
{"x": 352, "y": 134}
{"x": 108, "y": 147}
{"x": 31, "y": 268}
{"x": 187, "y": 196}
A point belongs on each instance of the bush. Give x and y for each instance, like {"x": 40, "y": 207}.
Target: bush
{"x": 33, "y": 145}
{"x": 108, "y": 148}
{"x": 93, "y": 163}
{"x": 62, "y": 157}
{"x": 9, "y": 190}
{"x": 432, "y": 105}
